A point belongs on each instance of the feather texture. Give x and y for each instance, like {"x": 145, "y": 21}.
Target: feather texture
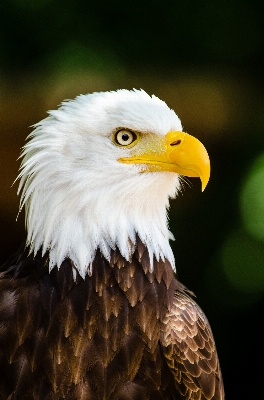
{"x": 188, "y": 345}
{"x": 118, "y": 334}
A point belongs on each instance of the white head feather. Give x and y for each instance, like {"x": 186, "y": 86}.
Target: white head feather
{"x": 79, "y": 197}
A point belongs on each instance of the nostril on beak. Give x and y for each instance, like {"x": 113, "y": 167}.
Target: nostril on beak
{"x": 176, "y": 143}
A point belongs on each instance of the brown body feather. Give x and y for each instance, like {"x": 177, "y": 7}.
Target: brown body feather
{"x": 122, "y": 334}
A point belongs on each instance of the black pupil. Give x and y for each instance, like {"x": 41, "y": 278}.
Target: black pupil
{"x": 125, "y": 137}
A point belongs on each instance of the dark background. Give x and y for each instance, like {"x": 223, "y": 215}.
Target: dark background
{"x": 205, "y": 59}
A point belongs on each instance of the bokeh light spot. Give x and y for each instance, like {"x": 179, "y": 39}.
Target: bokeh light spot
{"x": 223, "y": 292}
{"x": 242, "y": 260}
{"x": 252, "y": 200}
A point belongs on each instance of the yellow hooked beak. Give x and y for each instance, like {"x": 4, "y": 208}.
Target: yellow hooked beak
{"x": 178, "y": 152}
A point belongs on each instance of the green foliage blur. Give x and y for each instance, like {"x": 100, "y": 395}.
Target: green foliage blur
{"x": 205, "y": 59}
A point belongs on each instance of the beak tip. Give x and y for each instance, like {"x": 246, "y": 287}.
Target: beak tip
{"x": 204, "y": 183}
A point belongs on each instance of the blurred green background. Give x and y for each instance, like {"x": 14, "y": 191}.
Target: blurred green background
{"x": 205, "y": 59}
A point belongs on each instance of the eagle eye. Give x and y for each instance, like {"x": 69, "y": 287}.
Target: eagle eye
{"x": 125, "y": 138}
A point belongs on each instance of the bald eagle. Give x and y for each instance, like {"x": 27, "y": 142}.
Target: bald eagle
{"x": 91, "y": 307}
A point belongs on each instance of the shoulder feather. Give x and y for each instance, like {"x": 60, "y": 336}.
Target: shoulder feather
{"x": 189, "y": 348}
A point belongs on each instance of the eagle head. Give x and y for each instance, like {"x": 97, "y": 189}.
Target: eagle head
{"x": 99, "y": 171}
